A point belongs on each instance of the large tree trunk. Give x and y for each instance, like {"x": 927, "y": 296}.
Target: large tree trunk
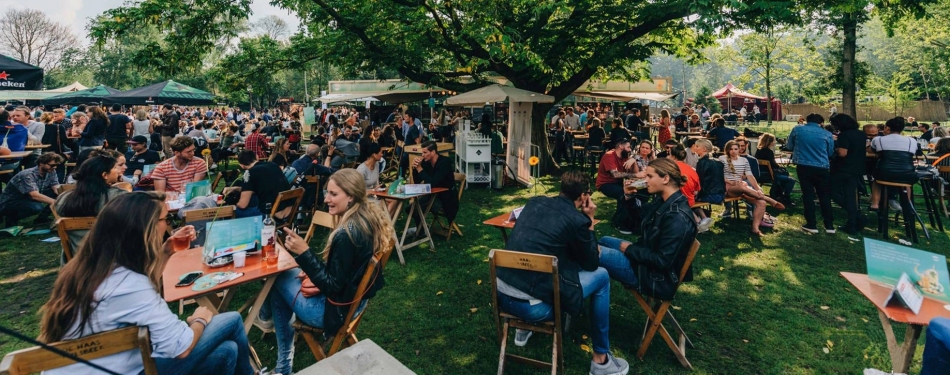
{"x": 539, "y": 137}
{"x": 768, "y": 92}
{"x": 848, "y": 95}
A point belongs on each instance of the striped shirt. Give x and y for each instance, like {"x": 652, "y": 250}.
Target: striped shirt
{"x": 741, "y": 166}
{"x": 175, "y": 179}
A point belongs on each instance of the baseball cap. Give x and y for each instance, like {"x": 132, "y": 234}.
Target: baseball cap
{"x": 139, "y": 139}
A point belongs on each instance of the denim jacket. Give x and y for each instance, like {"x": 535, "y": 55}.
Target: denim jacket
{"x": 811, "y": 145}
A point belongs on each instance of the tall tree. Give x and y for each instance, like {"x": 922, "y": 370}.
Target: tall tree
{"x": 31, "y": 37}
{"x": 544, "y": 46}
{"x": 272, "y": 26}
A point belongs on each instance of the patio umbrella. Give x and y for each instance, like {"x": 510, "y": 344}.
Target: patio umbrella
{"x": 92, "y": 94}
{"x": 498, "y": 93}
{"x": 163, "y": 92}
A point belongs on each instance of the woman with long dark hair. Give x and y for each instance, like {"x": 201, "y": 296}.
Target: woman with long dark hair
{"x": 94, "y": 179}
{"x": 94, "y": 134}
{"x": 113, "y": 282}
{"x": 321, "y": 294}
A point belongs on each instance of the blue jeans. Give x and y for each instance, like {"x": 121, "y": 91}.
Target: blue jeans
{"x": 615, "y": 191}
{"x": 221, "y": 349}
{"x": 251, "y": 210}
{"x": 937, "y": 349}
{"x": 616, "y": 264}
{"x": 595, "y": 284}
{"x": 286, "y": 301}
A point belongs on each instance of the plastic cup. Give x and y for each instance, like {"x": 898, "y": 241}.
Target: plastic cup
{"x": 239, "y": 258}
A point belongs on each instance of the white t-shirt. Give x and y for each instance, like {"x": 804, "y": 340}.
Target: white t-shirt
{"x": 895, "y": 142}
{"x": 370, "y": 177}
{"x": 127, "y": 299}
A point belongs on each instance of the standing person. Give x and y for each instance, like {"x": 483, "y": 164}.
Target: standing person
{"x": 35, "y": 131}
{"x": 635, "y": 124}
{"x": 560, "y": 138}
{"x": 256, "y": 142}
{"x": 571, "y": 120}
{"x": 168, "y": 128}
{"x": 611, "y": 172}
{"x": 561, "y": 226}
{"x": 173, "y": 173}
{"x": 113, "y": 281}
{"x": 31, "y": 191}
{"x": 321, "y": 291}
{"x": 812, "y": 148}
{"x": 663, "y": 127}
{"x": 848, "y": 170}
{"x": 55, "y": 136}
{"x": 120, "y": 125}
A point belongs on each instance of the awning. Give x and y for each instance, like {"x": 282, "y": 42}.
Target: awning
{"x": 389, "y": 97}
{"x": 626, "y": 96}
{"x": 498, "y": 93}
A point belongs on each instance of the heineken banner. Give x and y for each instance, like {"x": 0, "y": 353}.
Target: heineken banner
{"x": 18, "y": 75}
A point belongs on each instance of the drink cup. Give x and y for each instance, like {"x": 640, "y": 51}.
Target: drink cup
{"x": 181, "y": 243}
{"x": 239, "y": 259}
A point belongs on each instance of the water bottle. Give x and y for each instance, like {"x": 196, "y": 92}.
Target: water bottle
{"x": 267, "y": 237}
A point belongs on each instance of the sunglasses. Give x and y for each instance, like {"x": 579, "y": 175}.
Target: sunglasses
{"x": 589, "y": 192}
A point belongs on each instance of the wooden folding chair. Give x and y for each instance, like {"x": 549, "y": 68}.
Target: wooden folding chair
{"x": 661, "y": 309}
{"x": 290, "y": 221}
{"x": 765, "y": 165}
{"x": 347, "y": 332}
{"x": 65, "y": 187}
{"x": 321, "y": 219}
{"x": 504, "y": 321}
{"x": 36, "y": 359}
{"x": 64, "y": 225}
{"x": 942, "y": 195}
{"x": 314, "y": 181}
{"x": 447, "y": 229}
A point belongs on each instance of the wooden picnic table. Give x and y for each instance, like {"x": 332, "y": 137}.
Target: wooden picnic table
{"x": 16, "y": 155}
{"x": 901, "y": 354}
{"x": 415, "y": 207}
{"x": 36, "y": 147}
{"x": 255, "y": 269}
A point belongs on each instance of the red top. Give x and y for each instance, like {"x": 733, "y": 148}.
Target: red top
{"x": 257, "y": 143}
{"x": 692, "y": 182}
{"x": 609, "y": 162}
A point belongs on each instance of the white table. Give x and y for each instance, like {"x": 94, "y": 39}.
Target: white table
{"x": 363, "y": 358}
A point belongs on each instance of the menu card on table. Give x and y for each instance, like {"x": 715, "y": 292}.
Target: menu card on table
{"x": 224, "y": 237}
{"x": 911, "y": 274}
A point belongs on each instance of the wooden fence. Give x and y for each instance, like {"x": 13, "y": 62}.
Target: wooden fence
{"x": 924, "y": 111}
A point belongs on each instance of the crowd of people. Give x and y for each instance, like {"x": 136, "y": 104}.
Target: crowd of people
{"x": 659, "y": 190}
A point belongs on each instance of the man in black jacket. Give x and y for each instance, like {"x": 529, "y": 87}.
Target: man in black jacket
{"x": 437, "y": 171}
{"x": 554, "y": 226}
{"x": 168, "y": 128}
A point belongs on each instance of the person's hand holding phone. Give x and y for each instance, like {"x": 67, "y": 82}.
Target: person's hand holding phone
{"x": 293, "y": 243}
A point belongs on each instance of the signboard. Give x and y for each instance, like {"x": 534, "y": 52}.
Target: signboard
{"x": 888, "y": 263}
{"x": 519, "y": 141}
{"x": 309, "y": 116}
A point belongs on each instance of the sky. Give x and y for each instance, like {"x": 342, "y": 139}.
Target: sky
{"x": 76, "y": 13}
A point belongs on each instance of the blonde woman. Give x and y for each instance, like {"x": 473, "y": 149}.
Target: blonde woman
{"x": 113, "y": 282}
{"x": 323, "y": 291}
{"x": 741, "y": 183}
{"x": 141, "y": 125}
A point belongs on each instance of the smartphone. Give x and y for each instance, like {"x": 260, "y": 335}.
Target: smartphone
{"x": 189, "y": 278}
{"x": 281, "y": 236}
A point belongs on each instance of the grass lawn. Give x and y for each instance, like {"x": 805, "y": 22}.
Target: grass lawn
{"x": 758, "y": 306}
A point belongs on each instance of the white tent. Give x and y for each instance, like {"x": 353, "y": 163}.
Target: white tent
{"x": 625, "y": 96}
{"x": 520, "y": 103}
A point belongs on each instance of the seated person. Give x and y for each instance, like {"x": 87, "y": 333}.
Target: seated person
{"x": 183, "y": 167}
{"x": 613, "y": 169}
{"x": 936, "y": 359}
{"x": 263, "y": 182}
{"x": 667, "y": 146}
{"x": 118, "y": 287}
{"x": 940, "y": 152}
{"x": 554, "y": 226}
{"x": 15, "y": 137}
{"x": 282, "y": 156}
{"x": 722, "y": 134}
{"x": 741, "y": 182}
{"x": 94, "y": 180}
{"x": 652, "y": 264}
{"x": 438, "y": 171}
{"x": 689, "y": 189}
{"x": 321, "y": 291}
{"x": 783, "y": 181}
{"x": 138, "y": 157}
{"x": 895, "y": 158}
{"x": 31, "y": 191}
{"x": 596, "y": 135}
{"x": 711, "y": 180}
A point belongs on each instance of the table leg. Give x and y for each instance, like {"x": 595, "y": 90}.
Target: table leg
{"x": 504, "y": 234}
{"x": 425, "y": 225}
{"x": 901, "y": 354}
{"x": 258, "y": 303}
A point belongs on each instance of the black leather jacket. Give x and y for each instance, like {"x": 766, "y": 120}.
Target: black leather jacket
{"x": 668, "y": 231}
{"x": 553, "y": 226}
{"x": 340, "y": 276}
{"x": 711, "y": 178}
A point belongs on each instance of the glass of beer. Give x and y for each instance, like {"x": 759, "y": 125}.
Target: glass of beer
{"x": 180, "y": 243}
